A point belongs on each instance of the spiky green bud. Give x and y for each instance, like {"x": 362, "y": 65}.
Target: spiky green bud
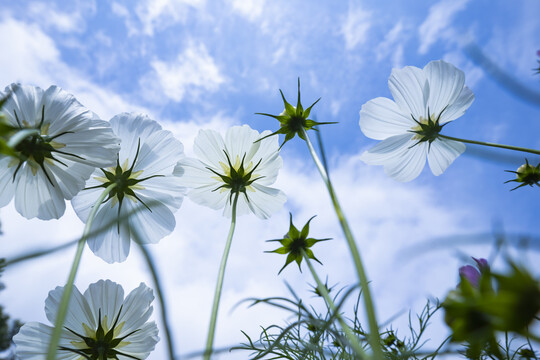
{"x": 526, "y": 174}
{"x": 295, "y": 243}
{"x": 293, "y": 119}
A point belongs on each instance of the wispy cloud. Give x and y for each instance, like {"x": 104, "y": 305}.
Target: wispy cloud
{"x": 69, "y": 18}
{"x": 191, "y": 73}
{"x": 393, "y": 44}
{"x": 152, "y": 15}
{"x": 438, "y": 22}
{"x": 356, "y": 26}
{"x": 250, "y": 9}
{"x": 34, "y": 58}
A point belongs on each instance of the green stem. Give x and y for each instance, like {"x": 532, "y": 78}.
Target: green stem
{"x": 219, "y": 284}
{"x": 21, "y": 135}
{"x": 374, "y": 338}
{"x": 66, "y": 294}
{"x": 353, "y": 340}
{"x": 508, "y": 147}
{"x": 159, "y": 293}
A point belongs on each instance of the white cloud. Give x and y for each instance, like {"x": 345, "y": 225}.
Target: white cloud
{"x": 356, "y": 26}
{"x": 251, "y": 9}
{"x": 71, "y": 18}
{"x": 393, "y": 45}
{"x": 438, "y": 22}
{"x": 161, "y": 13}
{"x": 35, "y": 59}
{"x": 193, "y": 72}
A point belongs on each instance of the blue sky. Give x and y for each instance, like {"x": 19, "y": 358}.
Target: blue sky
{"x": 195, "y": 64}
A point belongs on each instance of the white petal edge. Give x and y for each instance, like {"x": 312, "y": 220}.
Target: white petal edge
{"x": 381, "y": 118}
{"x": 442, "y": 153}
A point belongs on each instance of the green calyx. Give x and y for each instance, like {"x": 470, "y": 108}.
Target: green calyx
{"x": 38, "y": 148}
{"x": 102, "y": 345}
{"x": 125, "y": 181}
{"x": 427, "y": 129}
{"x": 237, "y": 179}
{"x": 293, "y": 119}
{"x": 526, "y": 174}
{"x": 295, "y": 243}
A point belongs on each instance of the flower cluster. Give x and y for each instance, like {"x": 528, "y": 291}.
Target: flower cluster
{"x": 125, "y": 179}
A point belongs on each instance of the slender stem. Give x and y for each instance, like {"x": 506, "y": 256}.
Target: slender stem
{"x": 353, "y": 340}
{"x": 160, "y": 297}
{"x": 509, "y": 147}
{"x": 21, "y": 135}
{"x": 374, "y": 338}
{"x": 219, "y": 284}
{"x": 66, "y": 294}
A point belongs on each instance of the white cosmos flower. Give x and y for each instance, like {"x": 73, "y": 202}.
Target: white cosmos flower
{"x": 216, "y": 176}
{"x": 146, "y": 194}
{"x": 54, "y": 165}
{"x": 424, "y": 101}
{"x": 101, "y": 315}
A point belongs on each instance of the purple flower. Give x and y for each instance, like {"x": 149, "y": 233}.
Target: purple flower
{"x": 472, "y": 274}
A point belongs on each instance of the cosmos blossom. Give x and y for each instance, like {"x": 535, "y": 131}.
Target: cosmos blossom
{"x": 238, "y": 164}
{"x": 52, "y": 164}
{"x": 141, "y": 205}
{"x": 100, "y": 324}
{"x": 425, "y": 100}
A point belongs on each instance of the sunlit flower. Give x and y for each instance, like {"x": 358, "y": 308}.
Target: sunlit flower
{"x": 425, "y": 100}
{"x": 100, "y": 324}
{"x": 53, "y": 164}
{"x": 141, "y": 205}
{"x": 238, "y": 164}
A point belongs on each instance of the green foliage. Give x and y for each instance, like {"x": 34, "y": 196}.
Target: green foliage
{"x": 8, "y": 328}
{"x": 501, "y": 303}
{"x": 315, "y": 335}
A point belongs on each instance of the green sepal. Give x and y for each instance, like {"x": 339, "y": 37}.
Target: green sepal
{"x": 293, "y": 119}
{"x": 295, "y": 244}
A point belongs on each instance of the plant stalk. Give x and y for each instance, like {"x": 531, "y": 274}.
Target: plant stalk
{"x": 353, "y": 340}
{"x": 374, "y": 337}
{"x": 508, "y": 147}
{"x": 219, "y": 284}
{"x": 68, "y": 289}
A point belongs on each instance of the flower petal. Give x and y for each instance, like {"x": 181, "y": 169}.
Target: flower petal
{"x": 79, "y": 311}
{"x": 130, "y": 128}
{"x": 381, "y": 118}
{"x": 402, "y": 158}
{"x": 110, "y": 237}
{"x": 7, "y": 185}
{"x": 458, "y": 108}
{"x": 409, "y": 88}
{"x": 442, "y": 153}
{"x": 445, "y": 85}
{"x": 106, "y": 297}
{"x": 36, "y": 196}
{"x": 32, "y": 342}
{"x": 149, "y": 226}
{"x": 265, "y": 201}
{"x": 209, "y": 148}
{"x": 136, "y": 309}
